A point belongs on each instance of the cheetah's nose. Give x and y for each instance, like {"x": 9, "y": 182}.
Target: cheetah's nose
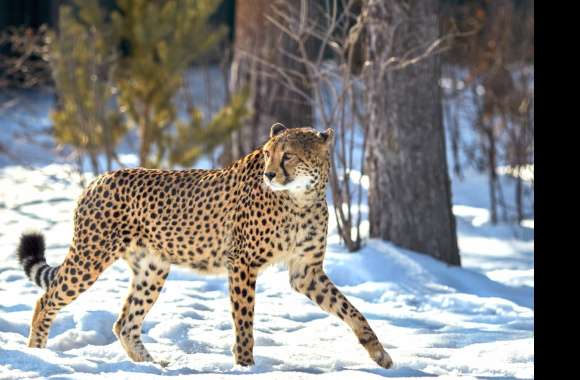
{"x": 270, "y": 175}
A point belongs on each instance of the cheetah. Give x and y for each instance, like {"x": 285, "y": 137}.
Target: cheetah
{"x": 267, "y": 207}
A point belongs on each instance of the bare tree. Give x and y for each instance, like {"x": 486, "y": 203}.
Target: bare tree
{"x": 334, "y": 68}
{"x": 326, "y": 40}
{"x": 410, "y": 192}
{"x": 22, "y": 62}
{"x": 494, "y": 66}
{"x": 22, "y": 66}
{"x": 260, "y": 65}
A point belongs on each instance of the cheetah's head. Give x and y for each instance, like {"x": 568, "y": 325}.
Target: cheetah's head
{"x": 297, "y": 159}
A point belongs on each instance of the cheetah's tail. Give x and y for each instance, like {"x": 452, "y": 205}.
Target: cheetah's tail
{"x": 30, "y": 254}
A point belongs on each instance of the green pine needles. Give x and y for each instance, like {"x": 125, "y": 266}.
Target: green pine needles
{"x": 121, "y": 67}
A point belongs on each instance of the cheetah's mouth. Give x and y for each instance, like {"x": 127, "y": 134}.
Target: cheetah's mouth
{"x": 297, "y": 184}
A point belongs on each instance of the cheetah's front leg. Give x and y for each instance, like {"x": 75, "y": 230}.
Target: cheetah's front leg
{"x": 242, "y": 284}
{"x": 310, "y": 280}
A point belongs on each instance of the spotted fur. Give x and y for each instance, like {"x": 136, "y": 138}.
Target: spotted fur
{"x": 268, "y": 207}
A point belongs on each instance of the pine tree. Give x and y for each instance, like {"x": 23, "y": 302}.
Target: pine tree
{"x": 193, "y": 139}
{"x": 159, "y": 41}
{"x": 82, "y": 60}
{"x": 123, "y": 68}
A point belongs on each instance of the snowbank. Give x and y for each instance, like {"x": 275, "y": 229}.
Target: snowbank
{"x": 434, "y": 320}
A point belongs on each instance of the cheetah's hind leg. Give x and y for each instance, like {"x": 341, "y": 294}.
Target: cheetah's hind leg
{"x": 62, "y": 284}
{"x": 149, "y": 274}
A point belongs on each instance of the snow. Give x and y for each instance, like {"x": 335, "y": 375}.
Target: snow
{"x": 474, "y": 322}
{"x": 434, "y": 320}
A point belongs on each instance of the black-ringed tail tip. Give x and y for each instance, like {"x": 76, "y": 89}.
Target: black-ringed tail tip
{"x": 30, "y": 253}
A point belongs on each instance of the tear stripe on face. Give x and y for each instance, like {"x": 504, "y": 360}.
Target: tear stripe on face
{"x": 299, "y": 183}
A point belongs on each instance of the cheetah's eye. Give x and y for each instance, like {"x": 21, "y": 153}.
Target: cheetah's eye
{"x": 287, "y": 157}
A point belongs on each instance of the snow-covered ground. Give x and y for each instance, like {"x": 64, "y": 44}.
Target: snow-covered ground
{"x": 471, "y": 322}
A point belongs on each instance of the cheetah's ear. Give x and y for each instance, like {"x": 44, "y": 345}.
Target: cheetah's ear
{"x": 277, "y": 128}
{"x": 327, "y": 136}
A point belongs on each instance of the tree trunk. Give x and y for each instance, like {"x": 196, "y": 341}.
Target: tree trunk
{"x": 491, "y": 165}
{"x": 278, "y": 84}
{"x": 409, "y": 190}
{"x": 519, "y": 190}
